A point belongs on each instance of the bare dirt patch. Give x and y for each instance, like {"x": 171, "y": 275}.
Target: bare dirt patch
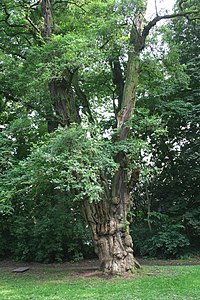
{"x": 89, "y": 268}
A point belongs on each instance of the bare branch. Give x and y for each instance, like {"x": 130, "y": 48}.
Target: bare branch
{"x": 104, "y": 44}
{"x": 153, "y": 22}
{"x": 156, "y": 8}
{"x": 70, "y": 2}
{"x": 33, "y": 25}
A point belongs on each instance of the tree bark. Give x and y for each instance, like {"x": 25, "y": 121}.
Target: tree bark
{"x": 109, "y": 221}
{"x": 110, "y": 231}
{"x": 47, "y": 18}
{"x": 64, "y": 102}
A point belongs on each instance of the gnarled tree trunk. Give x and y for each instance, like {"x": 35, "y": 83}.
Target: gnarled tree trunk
{"x": 109, "y": 221}
{"x": 112, "y": 241}
{"x": 109, "y": 218}
{"x": 64, "y": 102}
{"x": 109, "y": 224}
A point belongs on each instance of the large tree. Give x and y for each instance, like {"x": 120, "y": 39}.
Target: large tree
{"x": 75, "y": 60}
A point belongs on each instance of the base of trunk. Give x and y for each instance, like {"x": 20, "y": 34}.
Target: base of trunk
{"x": 116, "y": 254}
{"x": 120, "y": 266}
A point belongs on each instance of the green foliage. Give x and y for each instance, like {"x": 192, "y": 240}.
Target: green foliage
{"x": 37, "y": 222}
{"x": 165, "y": 239}
{"x": 53, "y": 230}
{"x": 68, "y": 161}
{"x": 45, "y": 193}
{"x": 173, "y": 189}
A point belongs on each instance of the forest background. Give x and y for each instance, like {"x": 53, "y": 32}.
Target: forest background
{"x": 61, "y": 84}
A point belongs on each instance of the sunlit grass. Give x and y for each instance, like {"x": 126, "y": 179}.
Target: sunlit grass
{"x": 150, "y": 283}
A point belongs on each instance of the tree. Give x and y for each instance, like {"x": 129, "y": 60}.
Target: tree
{"x": 67, "y": 54}
{"x": 173, "y": 190}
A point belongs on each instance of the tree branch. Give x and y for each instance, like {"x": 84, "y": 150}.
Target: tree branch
{"x": 35, "y": 4}
{"x": 33, "y": 25}
{"x": 8, "y": 96}
{"x": 82, "y": 97}
{"x": 118, "y": 80}
{"x": 14, "y": 53}
{"x": 70, "y": 2}
{"x": 156, "y": 8}
{"x": 153, "y": 22}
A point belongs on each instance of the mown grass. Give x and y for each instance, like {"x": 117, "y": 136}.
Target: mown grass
{"x": 150, "y": 283}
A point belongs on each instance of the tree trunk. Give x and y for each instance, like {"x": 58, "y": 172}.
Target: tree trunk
{"x": 64, "y": 102}
{"x": 109, "y": 218}
{"x": 47, "y": 18}
{"x": 109, "y": 222}
{"x": 112, "y": 240}
{"x": 65, "y": 109}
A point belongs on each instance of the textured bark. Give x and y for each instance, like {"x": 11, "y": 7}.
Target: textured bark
{"x": 109, "y": 222}
{"x": 64, "y": 102}
{"x": 110, "y": 231}
{"x": 47, "y": 18}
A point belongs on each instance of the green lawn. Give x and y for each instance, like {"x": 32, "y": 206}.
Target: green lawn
{"x": 150, "y": 283}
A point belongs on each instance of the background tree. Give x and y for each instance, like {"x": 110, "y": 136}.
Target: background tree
{"x": 173, "y": 190}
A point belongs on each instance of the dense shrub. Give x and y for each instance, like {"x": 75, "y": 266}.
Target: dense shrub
{"x": 45, "y": 233}
{"x": 45, "y": 192}
{"x": 165, "y": 239}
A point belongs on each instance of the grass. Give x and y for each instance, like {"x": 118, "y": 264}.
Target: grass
{"x": 150, "y": 283}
